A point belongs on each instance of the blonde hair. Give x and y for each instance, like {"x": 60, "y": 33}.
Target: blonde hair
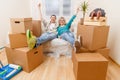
{"x": 60, "y": 19}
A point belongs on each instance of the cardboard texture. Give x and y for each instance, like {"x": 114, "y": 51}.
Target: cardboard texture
{"x": 101, "y": 19}
{"x": 89, "y": 66}
{"x": 37, "y": 31}
{"x": 75, "y": 64}
{"x": 97, "y": 22}
{"x": 18, "y": 40}
{"x": 82, "y": 50}
{"x": 93, "y": 37}
{"x": 104, "y": 51}
{"x": 28, "y": 59}
{"x": 20, "y": 25}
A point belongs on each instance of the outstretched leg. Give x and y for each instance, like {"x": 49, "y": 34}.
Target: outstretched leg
{"x": 92, "y": 14}
{"x": 99, "y": 14}
{"x": 31, "y": 39}
{"x": 68, "y": 36}
{"x": 35, "y": 42}
{"x": 45, "y": 37}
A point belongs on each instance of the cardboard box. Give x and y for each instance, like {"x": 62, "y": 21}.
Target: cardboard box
{"x": 89, "y": 66}
{"x": 93, "y": 37}
{"x": 83, "y": 50}
{"x": 37, "y": 31}
{"x": 28, "y": 59}
{"x": 98, "y": 22}
{"x": 95, "y": 23}
{"x": 101, "y": 19}
{"x": 104, "y": 51}
{"x": 18, "y": 40}
{"x": 20, "y": 25}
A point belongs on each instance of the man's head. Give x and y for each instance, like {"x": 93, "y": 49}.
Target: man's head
{"x": 53, "y": 18}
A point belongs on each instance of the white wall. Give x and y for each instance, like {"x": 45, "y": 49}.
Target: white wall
{"x": 113, "y": 14}
{"x": 9, "y": 9}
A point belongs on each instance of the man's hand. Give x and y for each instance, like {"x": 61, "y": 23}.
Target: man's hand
{"x": 39, "y": 5}
{"x": 78, "y": 9}
{"x": 39, "y": 8}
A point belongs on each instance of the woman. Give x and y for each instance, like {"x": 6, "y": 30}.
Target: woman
{"x": 63, "y": 29}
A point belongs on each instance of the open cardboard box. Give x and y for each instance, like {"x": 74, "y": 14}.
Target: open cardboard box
{"x": 103, "y": 51}
{"x": 28, "y": 59}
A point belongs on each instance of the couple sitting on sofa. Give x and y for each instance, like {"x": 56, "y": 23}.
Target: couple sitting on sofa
{"x": 52, "y": 31}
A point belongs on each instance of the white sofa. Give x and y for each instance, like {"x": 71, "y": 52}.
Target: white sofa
{"x": 57, "y": 47}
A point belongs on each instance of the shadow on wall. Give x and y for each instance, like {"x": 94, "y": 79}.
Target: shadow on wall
{"x": 112, "y": 43}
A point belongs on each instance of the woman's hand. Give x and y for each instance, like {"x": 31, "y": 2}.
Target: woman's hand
{"x": 77, "y": 10}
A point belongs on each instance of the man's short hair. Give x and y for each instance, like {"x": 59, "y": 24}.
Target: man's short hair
{"x": 54, "y": 16}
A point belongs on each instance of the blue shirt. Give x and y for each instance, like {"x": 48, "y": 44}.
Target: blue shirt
{"x": 66, "y": 27}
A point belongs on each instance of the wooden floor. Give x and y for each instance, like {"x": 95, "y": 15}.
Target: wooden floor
{"x": 58, "y": 69}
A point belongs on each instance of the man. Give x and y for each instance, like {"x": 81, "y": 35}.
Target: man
{"x": 98, "y": 12}
{"x": 49, "y": 34}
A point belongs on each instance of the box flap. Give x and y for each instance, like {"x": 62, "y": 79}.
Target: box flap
{"x": 102, "y": 19}
{"x": 90, "y": 57}
{"x": 21, "y": 19}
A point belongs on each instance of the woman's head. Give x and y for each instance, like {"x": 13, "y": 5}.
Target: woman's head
{"x": 62, "y": 21}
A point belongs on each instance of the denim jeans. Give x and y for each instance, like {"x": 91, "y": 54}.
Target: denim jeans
{"x": 68, "y": 36}
{"x": 45, "y": 37}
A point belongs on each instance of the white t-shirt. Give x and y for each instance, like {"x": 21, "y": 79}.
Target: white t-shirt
{"x": 50, "y": 27}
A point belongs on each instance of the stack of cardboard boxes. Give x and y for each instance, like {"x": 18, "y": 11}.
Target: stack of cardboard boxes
{"x": 90, "y": 60}
{"x": 93, "y": 39}
{"x": 17, "y": 36}
{"x": 18, "y": 52}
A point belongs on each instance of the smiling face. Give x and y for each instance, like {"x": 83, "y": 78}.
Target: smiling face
{"x": 53, "y": 19}
{"x": 62, "y": 21}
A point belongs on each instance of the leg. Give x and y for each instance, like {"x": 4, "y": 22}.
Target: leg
{"x": 92, "y": 14}
{"x": 45, "y": 37}
{"x": 31, "y": 39}
{"x": 68, "y": 36}
{"x": 71, "y": 38}
{"x": 99, "y": 14}
{"x": 102, "y": 13}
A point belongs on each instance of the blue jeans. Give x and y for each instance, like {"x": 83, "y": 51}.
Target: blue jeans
{"x": 68, "y": 36}
{"x": 45, "y": 37}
